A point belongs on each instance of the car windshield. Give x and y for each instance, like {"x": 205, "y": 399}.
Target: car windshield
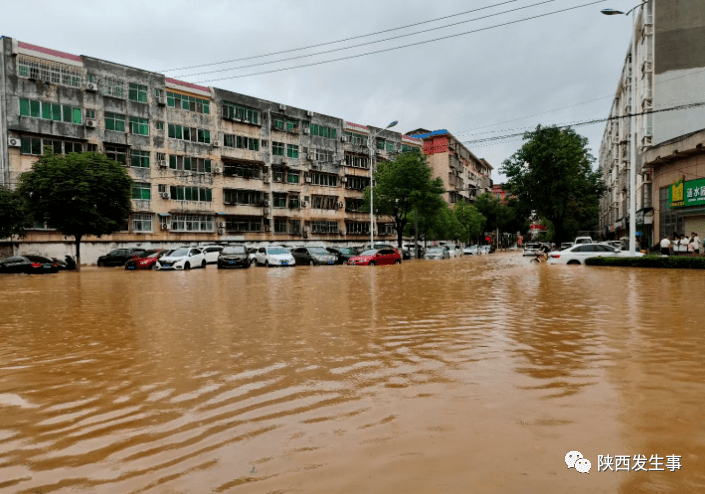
{"x": 277, "y": 251}
{"x": 153, "y": 255}
{"x": 347, "y": 250}
{"x": 234, "y": 250}
{"x": 371, "y": 252}
{"x": 435, "y": 250}
{"x": 179, "y": 253}
{"x": 319, "y": 251}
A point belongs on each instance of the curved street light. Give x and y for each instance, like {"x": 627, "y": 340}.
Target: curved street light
{"x": 370, "y": 147}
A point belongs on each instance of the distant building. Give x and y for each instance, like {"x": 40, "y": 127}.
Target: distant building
{"x": 209, "y": 165}
{"x": 499, "y": 192}
{"x": 669, "y": 36}
{"x": 464, "y": 175}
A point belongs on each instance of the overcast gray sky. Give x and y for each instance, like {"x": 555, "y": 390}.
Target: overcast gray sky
{"x": 476, "y": 85}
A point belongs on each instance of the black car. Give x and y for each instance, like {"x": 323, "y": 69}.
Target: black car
{"x": 233, "y": 257}
{"x": 343, "y": 254}
{"x": 312, "y": 256}
{"x": 119, "y": 257}
{"x": 28, "y": 264}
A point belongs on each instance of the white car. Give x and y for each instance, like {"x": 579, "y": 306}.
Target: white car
{"x": 470, "y": 250}
{"x": 274, "y": 256}
{"x": 453, "y": 251}
{"x": 578, "y": 253}
{"x": 182, "y": 259}
{"x": 583, "y": 240}
{"x": 211, "y": 252}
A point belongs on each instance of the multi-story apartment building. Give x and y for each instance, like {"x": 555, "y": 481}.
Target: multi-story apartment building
{"x": 464, "y": 175}
{"x": 668, "y": 36}
{"x": 208, "y": 164}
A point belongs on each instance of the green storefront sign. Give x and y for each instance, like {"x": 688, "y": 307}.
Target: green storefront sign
{"x": 684, "y": 194}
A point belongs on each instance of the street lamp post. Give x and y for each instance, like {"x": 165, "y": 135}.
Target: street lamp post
{"x": 373, "y": 155}
{"x": 632, "y": 131}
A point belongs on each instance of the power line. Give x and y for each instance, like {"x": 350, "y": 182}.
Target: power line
{"x": 401, "y": 46}
{"x": 340, "y": 40}
{"x": 308, "y": 55}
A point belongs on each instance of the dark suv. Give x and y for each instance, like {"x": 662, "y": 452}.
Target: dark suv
{"x": 119, "y": 257}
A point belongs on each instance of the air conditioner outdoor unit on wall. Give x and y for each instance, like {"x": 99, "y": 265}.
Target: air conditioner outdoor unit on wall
{"x": 341, "y": 205}
{"x": 217, "y": 169}
{"x": 161, "y": 100}
{"x": 342, "y": 232}
{"x": 344, "y": 179}
{"x": 165, "y": 226}
{"x": 165, "y": 195}
{"x": 161, "y": 164}
{"x": 91, "y": 86}
{"x": 282, "y": 107}
{"x": 308, "y": 180}
{"x": 216, "y": 144}
{"x": 14, "y": 142}
{"x": 221, "y": 224}
{"x": 307, "y": 130}
{"x": 309, "y": 113}
{"x": 91, "y": 124}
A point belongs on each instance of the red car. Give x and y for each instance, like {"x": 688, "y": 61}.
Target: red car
{"x": 145, "y": 262}
{"x": 373, "y": 257}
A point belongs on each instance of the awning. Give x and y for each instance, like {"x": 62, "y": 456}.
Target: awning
{"x": 164, "y": 215}
{"x": 222, "y": 214}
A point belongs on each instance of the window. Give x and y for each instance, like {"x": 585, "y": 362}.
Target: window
{"x": 279, "y": 200}
{"x": 280, "y": 225}
{"x": 139, "y": 126}
{"x": 357, "y": 139}
{"x": 278, "y": 175}
{"x": 113, "y": 87}
{"x": 139, "y": 159}
{"x": 389, "y": 146}
{"x": 324, "y": 179}
{"x": 295, "y": 227}
{"x": 53, "y": 72}
{"x": 278, "y": 148}
{"x": 189, "y": 103}
{"x": 244, "y": 170}
{"x": 356, "y": 161}
{"x": 90, "y": 113}
{"x": 324, "y": 155}
{"x": 114, "y": 121}
{"x": 137, "y": 92}
{"x": 380, "y": 144}
{"x": 353, "y": 205}
{"x": 141, "y": 191}
{"x": 292, "y": 151}
{"x": 73, "y": 147}
{"x": 118, "y": 154}
{"x": 204, "y": 136}
{"x": 319, "y": 226}
{"x": 181, "y": 193}
{"x": 160, "y": 125}
{"x": 141, "y": 222}
{"x": 285, "y": 124}
{"x": 243, "y": 224}
{"x": 357, "y": 183}
{"x": 37, "y": 146}
{"x": 50, "y": 111}
{"x": 243, "y": 197}
{"x": 357, "y": 228}
{"x": 201, "y": 165}
{"x": 294, "y": 201}
{"x": 158, "y": 92}
{"x": 31, "y": 145}
{"x": 324, "y": 202}
{"x": 292, "y": 177}
{"x": 320, "y": 130}
{"x": 189, "y": 134}
{"x": 232, "y": 111}
{"x": 191, "y": 223}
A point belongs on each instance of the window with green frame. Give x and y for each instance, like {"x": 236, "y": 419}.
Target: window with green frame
{"x": 50, "y": 111}
{"x": 292, "y": 151}
{"x": 141, "y": 191}
{"x": 189, "y": 103}
{"x": 232, "y": 111}
{"x": 390, "y": 146}
{"x": 323, "y": 131}
{"x": 204, "y": 135}
{"x": 279, "y": 124}
{"x": 278, "y": 148}
{"x": 114, "y": 121}
{"x": 138, "y": 92}
{"x": 191, "y": 194}
{"x": 139, "y": 126}
{"x": 139, "y": 159}
{"x": 292, "y": 177}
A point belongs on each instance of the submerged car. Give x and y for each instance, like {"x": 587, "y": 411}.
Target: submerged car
{"x": 233, "y": 257}
{"x": 313, "y": 256}
{"x": 470, "y": 250}
{"x": 373, "y": 257}
{"x": 437, "y": 253}
{"x": 119, "y": 257}
{"x": 578, "y": 253}
{"x": 274, "y": 256}
{"x": 212, "y": 252}
{"x": 183, "y": 258}
{"x": 29, "y": 264}
{"x": 147, "y": 261}
{"x": 343, "y": 254}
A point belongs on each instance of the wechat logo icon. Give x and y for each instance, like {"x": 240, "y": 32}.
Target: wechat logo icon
{"x": 574, "y": 459}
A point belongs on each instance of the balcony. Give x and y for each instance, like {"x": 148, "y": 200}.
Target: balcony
{"x": 141, "y": 205}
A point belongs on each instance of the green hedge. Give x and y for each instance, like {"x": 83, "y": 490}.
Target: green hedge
{"x": 672, "y": 262}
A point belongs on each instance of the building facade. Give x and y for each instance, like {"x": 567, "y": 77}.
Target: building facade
{"x": 209, "y": 165}
{"x": 670, "y": 73}
{"x": 464, "y": 175}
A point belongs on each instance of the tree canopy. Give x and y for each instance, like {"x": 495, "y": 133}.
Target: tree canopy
{"x": 472, "y": 222}
{"x": 78, "y": 194}
{"x": 13, "y": 216}
{"x": 403, "y": 184}
{"x": 552, "y": 174}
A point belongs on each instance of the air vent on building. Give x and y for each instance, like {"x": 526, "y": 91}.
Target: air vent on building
{"x": 307, "y": 130}
{"x": 216, "y": 143}
{"x": 282, "y": 107}
{"x": 161, "y": 164}
{"x": 309, "y": 113}
{"x": 221, "y": 224}
{"x": 217, "y": 169}
{"x": 308, "y": 180}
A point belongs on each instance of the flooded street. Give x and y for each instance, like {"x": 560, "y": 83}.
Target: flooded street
{"x": 466, "y": 375}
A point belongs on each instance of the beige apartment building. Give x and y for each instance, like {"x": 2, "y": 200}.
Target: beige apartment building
{"x": 464, "y": 175}
{"x": 209, "y": 165}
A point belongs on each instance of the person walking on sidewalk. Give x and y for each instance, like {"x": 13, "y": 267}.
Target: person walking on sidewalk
{"x": 695, "y": 242}
{"x": 665, "y": 244}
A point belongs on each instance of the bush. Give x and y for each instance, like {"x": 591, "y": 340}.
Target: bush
{"x": 671, "y": 262}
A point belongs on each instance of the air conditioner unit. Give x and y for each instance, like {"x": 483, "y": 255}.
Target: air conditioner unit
{"x": 266, "y": 210}
{"x": 343, "y": 138}
{"x": 14, "y": 142}
{"x": 216, "y": 144}
{"x": 308, "y": 180}
{"x": 221, "y": 224}
{"x": 307, "y": 130}
{"x": 305, "y": 230}
{"x": 265, "y": 180}
{"x": 309, "y": 113}
{"x": 165, "y": 195}
{"x": 342, "y": 232}
{"x": 92, "y": 124}
{"x": 217, "y": 169}
{"x": 282, "y": 107}
{"x": 91, "y": 86}
{"x": 221, "y": 231}
{"x": 344, "y": 179}
{"x": 161, "y": 100}
{"x": 266, "y": 203}
{"x": 310, "y": 157}
{"x": 380, "y": 151}
{"x": 165, "y": 226}
{"x": 341, "y": 205}
{"x": 267, "y": 228}
{"x": 304, "y": 204}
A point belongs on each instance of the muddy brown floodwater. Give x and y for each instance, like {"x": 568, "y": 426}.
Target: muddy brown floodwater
{"x": 458, "y": 376}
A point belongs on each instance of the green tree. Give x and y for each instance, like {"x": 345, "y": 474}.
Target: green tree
{"x": 446, "y": 225}
{"x": 472, "y": 222}
{"x": 13, "y": 215}
{"x": 79, "y": 194}
{"x": 401, "y": 185}
{"x": 552, "y": 174}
